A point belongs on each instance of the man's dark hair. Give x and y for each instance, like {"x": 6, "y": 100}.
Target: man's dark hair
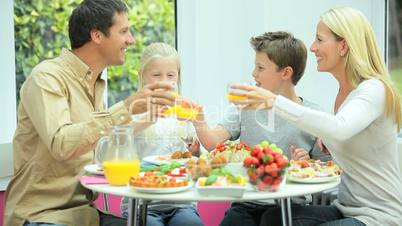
{"x": 284, "y": 50}
{"x": 92, "y": 15}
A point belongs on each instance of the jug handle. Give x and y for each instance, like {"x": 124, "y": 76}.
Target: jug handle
{"x": 99, "y": 152}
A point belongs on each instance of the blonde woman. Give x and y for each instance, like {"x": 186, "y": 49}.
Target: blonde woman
{"x": 158, "y": 136}
{"x": 361, "y": 135}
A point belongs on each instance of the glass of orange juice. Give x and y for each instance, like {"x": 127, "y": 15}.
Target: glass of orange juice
{"x": 233, "y": 97}
{"x": 180, "y": 109}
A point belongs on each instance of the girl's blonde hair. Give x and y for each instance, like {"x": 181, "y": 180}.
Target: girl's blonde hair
{"x": 363, "y": 60}
{"x": 154, "y": 51}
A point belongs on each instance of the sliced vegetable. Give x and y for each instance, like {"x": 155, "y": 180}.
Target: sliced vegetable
{"x": 211, "y": 179}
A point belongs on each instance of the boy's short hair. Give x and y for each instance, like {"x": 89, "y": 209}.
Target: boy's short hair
{"x": 284, "y": 50}
{"x": 92, "y": 15}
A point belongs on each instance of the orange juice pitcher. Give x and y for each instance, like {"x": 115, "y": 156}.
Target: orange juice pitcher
{"x": 117, "y": 155}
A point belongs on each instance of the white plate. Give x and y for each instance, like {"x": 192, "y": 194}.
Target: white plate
{"x": 165, "y": 159}
{"x": 311, "y": 180}
{"x": 162, "y": 190}
{"x": 93, "y": 169}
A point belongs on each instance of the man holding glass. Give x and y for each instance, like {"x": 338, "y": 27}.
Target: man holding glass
{"x": 62, "y": 115}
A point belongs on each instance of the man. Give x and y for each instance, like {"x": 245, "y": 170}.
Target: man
{"x": 61, "y": 116}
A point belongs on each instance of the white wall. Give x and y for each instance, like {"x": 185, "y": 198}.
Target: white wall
{"x": 213, "y": 41}
{"x": 213, "y": 45}
{"x": 8, "y": 113}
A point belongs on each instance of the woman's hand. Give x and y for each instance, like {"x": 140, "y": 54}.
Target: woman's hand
{"x": 256, "y": 97}
{"x": 322, "y": 146}
{"x": 299, "y": 153}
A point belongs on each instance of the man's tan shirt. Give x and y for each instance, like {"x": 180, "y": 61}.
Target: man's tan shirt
{"x": 57, "y": 114}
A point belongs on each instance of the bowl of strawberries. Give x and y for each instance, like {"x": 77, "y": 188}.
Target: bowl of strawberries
{"x": 266, "y": 167}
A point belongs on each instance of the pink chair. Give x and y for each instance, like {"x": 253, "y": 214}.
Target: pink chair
{"x": 212, "y": 213}
{"x": 1, "y": 207}
{"x": 113, "y": 203}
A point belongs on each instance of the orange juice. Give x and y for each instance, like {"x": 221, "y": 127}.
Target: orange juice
{"x": 119, "y": 172}
{"x": 182, "y": 112}
{"x": 235, "y": 97}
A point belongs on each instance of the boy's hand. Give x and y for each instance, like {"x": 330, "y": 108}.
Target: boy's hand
{"x": 199, "y": 118}
{"x": 299, "y": 153}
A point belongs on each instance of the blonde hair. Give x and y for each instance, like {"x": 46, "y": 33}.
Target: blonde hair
{"x": 363, "y": 60}
{"x": 154, "y": 51}
{"x": 151, "y": 52}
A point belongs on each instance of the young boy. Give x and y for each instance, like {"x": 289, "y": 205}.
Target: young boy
{"x": 280, "y": 61}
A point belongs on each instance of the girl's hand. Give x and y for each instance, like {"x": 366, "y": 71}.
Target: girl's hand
{"x": 256, "y": 97}
{"x": 299, "y": 153}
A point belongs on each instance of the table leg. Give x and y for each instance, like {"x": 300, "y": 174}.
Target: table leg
{"x": 286, "y": 212}
{"x": 133, "y": 205}
{"x": 105, "y": 202}
{"x": 143, "y": 213}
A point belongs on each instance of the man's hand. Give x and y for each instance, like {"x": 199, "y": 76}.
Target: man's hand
{"x": 150, "y": 96}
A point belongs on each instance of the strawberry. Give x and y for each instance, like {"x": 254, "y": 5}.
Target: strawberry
{"x": 267, "y": 150}
{"x": 260, "y": 170}
{"x": 272, "y": 169}
{"x": 247, "y": 162}
{"x": 261, "y": 156}
{"x": 277, "y": 180}
{"x": 255, "y": 162}
{"x": 261, "y": 186}
{"x": 282, "y": 163}
{"x": 267, "y": 180}
{"x": 255, "y": 151}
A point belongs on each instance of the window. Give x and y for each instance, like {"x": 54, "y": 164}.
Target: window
{"x": 41, "y": 31}
{"x": 395, "y": 42}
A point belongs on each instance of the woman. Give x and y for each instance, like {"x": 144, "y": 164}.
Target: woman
{"x": 361, "y": 135}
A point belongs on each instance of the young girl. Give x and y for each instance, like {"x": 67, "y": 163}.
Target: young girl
{"x": 157, "y": 136}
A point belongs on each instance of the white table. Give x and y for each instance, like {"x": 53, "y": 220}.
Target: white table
{"x": 285, "y": 192}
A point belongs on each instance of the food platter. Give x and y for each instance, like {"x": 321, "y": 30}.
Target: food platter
{"x": 312, "y": 171}
{"x": 163, "y": 190}
{"x": 165, "y": 159}
{"x": 312, "y": 180}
